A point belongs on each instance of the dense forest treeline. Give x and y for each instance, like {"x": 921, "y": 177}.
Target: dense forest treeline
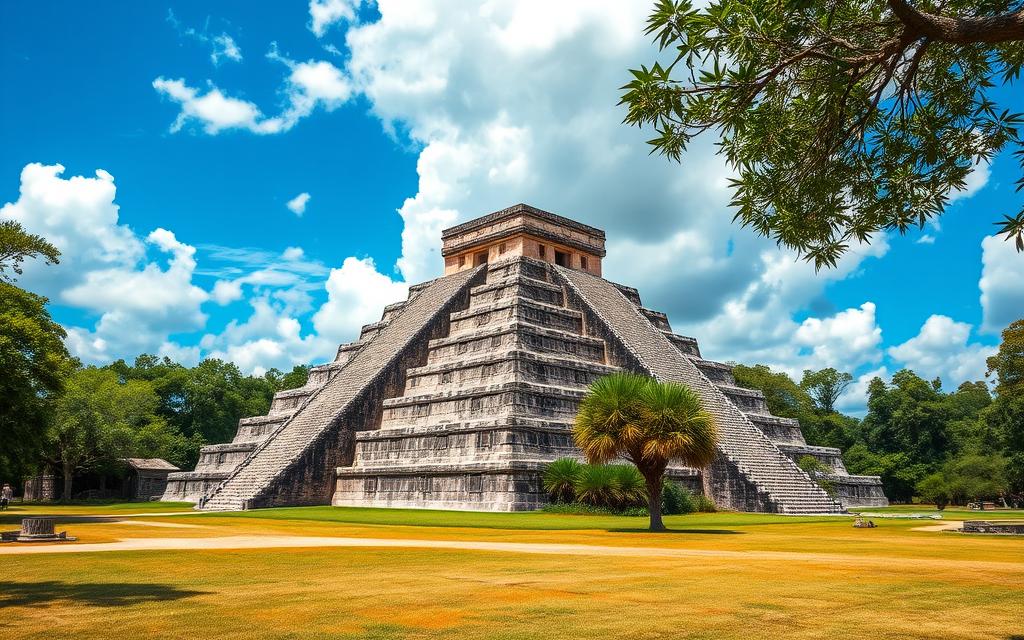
{"x": 925, "y": 442}
{"x": 152, "y": 408}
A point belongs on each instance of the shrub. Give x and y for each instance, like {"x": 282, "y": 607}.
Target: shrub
{"x": 933, "y": 488}
{"x": 812, "y": 465}
{"x": 598, "y": 485}
{"x": 612, "y": 487}
{"x": 676, "y": 500}
{"x": 634, "y": 512}
{"x": 630, "y": 484}
{"x": 560, "y": 479}
{"x": 704, "y": 504}
{"x": 974, "y": 477}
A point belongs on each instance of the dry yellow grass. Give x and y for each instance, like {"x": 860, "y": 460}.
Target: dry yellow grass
{"x": 795, "y": 578}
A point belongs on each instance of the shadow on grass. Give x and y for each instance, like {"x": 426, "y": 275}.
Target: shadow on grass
{"x": 679, "y": 531}
{"x": 97, "y": 594}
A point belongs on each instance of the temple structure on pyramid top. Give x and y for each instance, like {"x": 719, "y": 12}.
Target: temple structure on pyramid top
{"x": 462, "y": 393}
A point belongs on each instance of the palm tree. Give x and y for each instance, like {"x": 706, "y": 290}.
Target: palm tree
{"x": 647, "y": 422}
{"x": 560, "y": 479}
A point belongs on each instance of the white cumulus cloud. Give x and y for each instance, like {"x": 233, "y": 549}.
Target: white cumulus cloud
{"x": 357, "y": 294}
{"x": 297, "y": 205}
{"x": 942, "y": 349}
{"x": 1001, "y": 284}
{"x": 104, "y": 266}
{"x": 324, "y": 13}
{"x": 213, "y": 110}
{"x": 309, "y": 85}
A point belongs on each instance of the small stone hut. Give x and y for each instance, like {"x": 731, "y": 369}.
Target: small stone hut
{"x": 147, "y": 478}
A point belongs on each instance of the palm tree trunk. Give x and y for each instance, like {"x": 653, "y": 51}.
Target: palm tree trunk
{"x": 654, "y": 483}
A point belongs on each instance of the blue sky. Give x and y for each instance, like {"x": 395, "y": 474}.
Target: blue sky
{"x": 206, "y": 120}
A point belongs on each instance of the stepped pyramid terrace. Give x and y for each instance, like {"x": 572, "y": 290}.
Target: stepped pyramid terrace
{"x": 461, "y": 394}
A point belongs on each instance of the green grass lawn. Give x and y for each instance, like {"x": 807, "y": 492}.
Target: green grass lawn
{"x": 756, "y": 576}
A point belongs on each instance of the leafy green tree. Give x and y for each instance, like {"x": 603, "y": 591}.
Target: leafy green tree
{"x": 1015, "y": 475}
{"x": 825, "y": 386}
{"x": 16, "y": 244}
{"x": 1006, "y": 413}
{"x": 933, "y": 488}
{"x": 784, "y": 397}
{"x": 899, "y": 472}
{"x": 910, "y": 417}
{"x": 205, "y": 402}
{"x": 965, "y": 479}
{"x": 33, "y": 359}
{"x": 975, "y": 477}
{"x": 33, "y": 366}
{"x": 294, "y": 379}
{"x": 99, "y": 419}
{"x": 648, "y": 422}
{"x": 842, "y": 119}
{"x": 217, "y": 395}
{"x": 787, "y": 399}
{"x": 169, "y": 380}
{"x": 969, "y": 433}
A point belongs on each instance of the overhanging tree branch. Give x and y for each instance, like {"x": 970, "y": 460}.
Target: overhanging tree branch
{"x": 1004, "y": 27}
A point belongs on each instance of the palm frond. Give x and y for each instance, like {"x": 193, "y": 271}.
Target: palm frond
{"x": 607, "y": 415}
{"x": 560, "y": 478}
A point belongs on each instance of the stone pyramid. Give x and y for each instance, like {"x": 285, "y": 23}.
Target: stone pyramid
{"x": 461, "y": 394}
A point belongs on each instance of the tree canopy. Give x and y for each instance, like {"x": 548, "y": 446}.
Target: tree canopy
{"x": 825, "y": 386}
{"x": 16, "y": 244}
{"x": 33, "y": 365}
{"x": 921, "y": 440}
{"x": 99, "y": 419}
{"x": 841, "y": 118}
{"x": 205, "y": 402}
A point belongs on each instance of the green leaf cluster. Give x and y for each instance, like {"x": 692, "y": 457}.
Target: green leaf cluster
{"x": 841, "y": 119}
{"x": 16, "y": 245}
{"x": 33, "y": 366}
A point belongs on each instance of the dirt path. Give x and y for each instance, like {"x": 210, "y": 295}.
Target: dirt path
{"x": 283, "y": 542}
{"x": 952, "y": 525}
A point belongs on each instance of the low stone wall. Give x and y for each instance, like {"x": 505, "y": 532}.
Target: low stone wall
{"x": 995, "y": 526}
{"x": 828, "y": 456}
{"x": 190, "y": 486}
{"x": 859, "y": 491}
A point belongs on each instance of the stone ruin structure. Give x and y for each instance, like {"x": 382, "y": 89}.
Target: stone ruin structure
{"x": 460, "y": 395}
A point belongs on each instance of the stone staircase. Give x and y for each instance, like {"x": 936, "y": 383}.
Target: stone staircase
{"x": 493, "y": 403}
{"x": 460, "y": 395}
{"x": 751, "y": 474}
{"x": 295, "y": 464}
